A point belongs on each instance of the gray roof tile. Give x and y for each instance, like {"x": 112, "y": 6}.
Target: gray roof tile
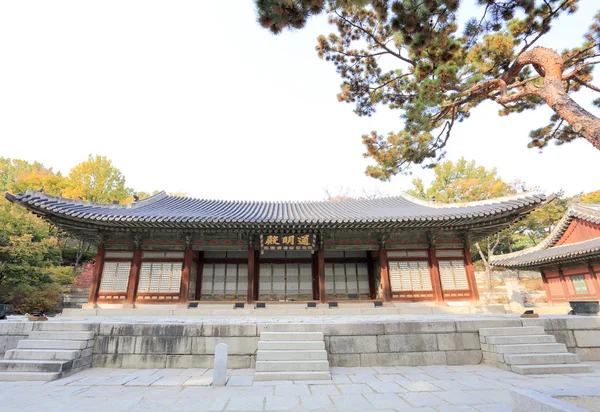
{"x": 168, "y": 211}
{"x": 546, "y": 253}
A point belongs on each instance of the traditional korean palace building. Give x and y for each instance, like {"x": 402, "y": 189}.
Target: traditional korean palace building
{"x": 167, "y": 249}
{"x": 568, "y": 259}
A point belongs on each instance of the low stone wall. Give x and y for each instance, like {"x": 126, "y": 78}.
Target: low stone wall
{"x": 411, "y": 342}
{"x": 190, "y": 345}
{"x": 581, "y": 334}
{"x": 11, "y": 333}
{"x": 354, "y": 344}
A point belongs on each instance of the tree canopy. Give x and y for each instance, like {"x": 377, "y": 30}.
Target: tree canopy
{"x": 37, "y": 261}
{"x": 97, "y": 180}
{"x": 413, "y": 56}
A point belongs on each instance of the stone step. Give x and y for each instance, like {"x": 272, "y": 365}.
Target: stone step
{"x": 292, "y": 366}
{"x": 530, "y": 348}
{"x": 51, "y": 344}
{"x": 29, "y": 376}
{"x": 513, "y": 331}
{"x": 292, "y": 376}
{"x": 282, "y": 355}
{"x": 523, "y": 339}
{"x": 541, "y": 358}
{"x": 291, "y": 336}
{"x": 54, "y": 335}
{"x": 34, "y": 366}
{"x": 42, "y": 354}
{"x": 555, "y": 369}
{"x": 291, "y": 345}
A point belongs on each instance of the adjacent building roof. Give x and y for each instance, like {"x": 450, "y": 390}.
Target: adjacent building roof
{"x": 546, "y": 253}
{"x": 162, "y": 211}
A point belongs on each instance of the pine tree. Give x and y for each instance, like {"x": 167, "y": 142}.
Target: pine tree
{"x": 442, "y": 70}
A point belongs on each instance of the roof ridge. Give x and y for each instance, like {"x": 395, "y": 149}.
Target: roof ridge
{"x": 443, "y": 205}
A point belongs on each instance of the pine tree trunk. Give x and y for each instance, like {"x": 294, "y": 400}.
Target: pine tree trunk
{"x": 581, "y": 121}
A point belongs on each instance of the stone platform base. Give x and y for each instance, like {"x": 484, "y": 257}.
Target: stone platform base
{"x": 352, "y": 340}
{"x": 287, "y": 309}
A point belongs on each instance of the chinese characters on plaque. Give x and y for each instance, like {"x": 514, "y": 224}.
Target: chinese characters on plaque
{"x": 287, "y": 241}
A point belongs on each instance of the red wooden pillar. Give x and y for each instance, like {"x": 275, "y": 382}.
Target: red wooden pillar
{"x": 134, "y": 277}
{"x": 315, "y": 277}
{"x": 385, "y": 275}
{"x": 97, "y": 276}
{"x": 185, "y": 276}
{"x": 256, "y": 274}
{"x": 321, "y": 275}
{"x": 434, "y": 271}
{"x": 563, "y": 282}
{"x": 470, "y": 273}
{"x": 595, "y": 282}
{"x": 372, "y": 291}
{"x": 199, "y": 270}
{"x": 251, "y": 265}
{"x": 546, "y": 286}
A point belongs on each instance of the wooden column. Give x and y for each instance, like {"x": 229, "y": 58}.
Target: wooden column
{"x": 434, "y": 271}
{"x": 199, "y": 270}
{"x": 563, "y": 283}
{"x": 256, "y": 274}
{"x": 470, "y": 273}
{"x": 546, "y": 286}
{"x": 185, "y": 276}
{"x": 251, "y": 265}
{"x": 385, "y": 275}
{"x": 321, "y": 275}
{"x": 315, "y": 277}
{"x": 595, "y": 282}
{"x": 372, "y": 291}
{"x": 96, "y": 279}
{"x": 134, "y": 277}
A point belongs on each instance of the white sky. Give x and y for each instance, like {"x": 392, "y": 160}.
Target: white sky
{"x": 195, "y": 96}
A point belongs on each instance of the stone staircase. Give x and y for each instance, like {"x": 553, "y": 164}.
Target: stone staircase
{"x": 51, "y": 352}
{"x": 291, "y": 356}
{"x": 527, "y": 350}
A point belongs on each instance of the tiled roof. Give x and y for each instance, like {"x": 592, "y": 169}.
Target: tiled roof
{"x": 546, "y": 253}
{"x": 553, "y": 255}
{"x": 162, "y": 208}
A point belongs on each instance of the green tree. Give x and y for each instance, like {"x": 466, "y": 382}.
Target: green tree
{"x": 463, "y": 181}
{"x": 11, "y": 169}
{"x": 592, "y": 197}
{"x": 97, "y": 180}
{"x": 414, "y": 57}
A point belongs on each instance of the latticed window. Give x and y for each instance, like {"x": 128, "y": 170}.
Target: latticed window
{"x": 115, "y": 276}
{"x": 406, "y": 276}
{"x": 579, "y": 285}
{"x": 160, "y": 277}
{"x": 282, "y": 281}
{"x": 453, "y": 275}
{"x": 224, "y": 281}
{"x": 348, "y": 280}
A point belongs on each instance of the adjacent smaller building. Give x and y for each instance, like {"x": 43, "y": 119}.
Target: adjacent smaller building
{"x": 568, "y": 259}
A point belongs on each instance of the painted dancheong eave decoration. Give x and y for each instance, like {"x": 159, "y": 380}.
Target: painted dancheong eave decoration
{"x": 568, "y": 258}
{"x": 168, "y": 249}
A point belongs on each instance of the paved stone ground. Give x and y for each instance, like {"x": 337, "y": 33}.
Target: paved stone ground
{"x": 424, "y": 389}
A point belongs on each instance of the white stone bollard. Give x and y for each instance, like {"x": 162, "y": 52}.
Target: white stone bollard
{"x": 220, "y": 366}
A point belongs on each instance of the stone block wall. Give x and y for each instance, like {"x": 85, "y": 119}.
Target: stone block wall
{"x": 581, "y": 334}
{"x": 408, "y": 343}
{"x": 139, "y": 346}
{"x": 404, "y": 343}
{"x": 11, "y": 333}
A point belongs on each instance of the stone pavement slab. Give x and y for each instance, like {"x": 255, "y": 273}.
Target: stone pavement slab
{"x": 432, "y": 389}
